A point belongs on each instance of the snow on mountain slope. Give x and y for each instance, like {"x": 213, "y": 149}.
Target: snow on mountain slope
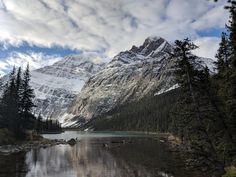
{"x": 130, "y": 76}
{"x": 56, "y": 86}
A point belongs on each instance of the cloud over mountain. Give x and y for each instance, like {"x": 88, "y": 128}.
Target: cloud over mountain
{"x": 106, "y": 26}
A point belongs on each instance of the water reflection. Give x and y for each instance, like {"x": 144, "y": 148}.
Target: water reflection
{"x": 85, "y": 159}
{"x": 142, "y": 156}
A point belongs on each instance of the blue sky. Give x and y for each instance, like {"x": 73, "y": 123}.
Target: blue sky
{"x": 27, "y": 48}
{"x": 41, "y": 32}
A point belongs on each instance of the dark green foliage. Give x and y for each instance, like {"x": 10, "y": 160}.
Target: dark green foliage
{"x": 27, "y": 95}
{"x": 1, "y": 105}
{"x": 48, "y": 126}
{"x": 230, "y": 74}
{"x": 9, "y": 104}
{"x": 16, "y": 104}
{"x": 151, "y": 113}
{"x": 225, "y": 80}
{"x": 223, "y": 54}
{"x": 197, "y": 124}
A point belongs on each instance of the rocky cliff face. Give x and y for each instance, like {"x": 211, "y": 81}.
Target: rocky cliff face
{"x": 128, "y": 77}
{"x": 56, "y": 86}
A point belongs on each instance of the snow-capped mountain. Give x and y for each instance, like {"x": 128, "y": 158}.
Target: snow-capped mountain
{"x": 56, "y": 86}
{"x": 131, "y": 75}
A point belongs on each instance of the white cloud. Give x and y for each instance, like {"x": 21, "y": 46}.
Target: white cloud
{"x": 95, "y": 57}
{"x": 216, "y": 17}
{"x": 18, "y": 59}
{"x": 207, "y": 46}
{"x": 105, "y": 25}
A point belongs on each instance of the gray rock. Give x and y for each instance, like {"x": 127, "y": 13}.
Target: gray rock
{"x": 71, "y": 142}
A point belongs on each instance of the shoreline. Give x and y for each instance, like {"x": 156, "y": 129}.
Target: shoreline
{"x": 25, "y": 146}
{"x": 37, "y": 141}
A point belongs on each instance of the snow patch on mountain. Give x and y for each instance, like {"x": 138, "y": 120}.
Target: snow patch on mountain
{"x": 167, "y": 90}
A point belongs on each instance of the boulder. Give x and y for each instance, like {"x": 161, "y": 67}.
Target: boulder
{"x": 71, "y": 142}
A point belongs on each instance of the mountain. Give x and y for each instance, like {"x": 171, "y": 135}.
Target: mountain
{"x": 132, "y": 74}
{"x": 56, "y": 86}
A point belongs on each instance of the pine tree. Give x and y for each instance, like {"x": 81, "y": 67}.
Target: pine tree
{"x": 18, "y": 90}
{"x": 222, "y": 55}
{"x": 38, "y": 126}
{"x": 18, "y": 81}
{"x": 194, "y": 107}
{"x": 27, "y": 96}
{"x": 1, "y": 106}
{"x": 232, "y": 33}
{"x": 230, "y": 76}
{"x": 9, "y": 104}
{"x": 1, "y": 85}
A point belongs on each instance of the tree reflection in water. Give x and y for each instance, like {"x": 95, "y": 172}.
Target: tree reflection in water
{"x": 85, "y": 159}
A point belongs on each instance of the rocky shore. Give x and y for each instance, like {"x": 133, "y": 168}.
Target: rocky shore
{"x": 26, "y": 146}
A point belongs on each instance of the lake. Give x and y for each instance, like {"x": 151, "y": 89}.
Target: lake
{"x": 99, "y": 154}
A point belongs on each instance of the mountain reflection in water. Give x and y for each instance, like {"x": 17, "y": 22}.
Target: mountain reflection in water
{"x": 99, "y": 155}
{"x": 81, "y": 160}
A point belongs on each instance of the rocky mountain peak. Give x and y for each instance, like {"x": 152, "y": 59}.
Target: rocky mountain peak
{"x": 130, "y": 76}
{"x": 152, "y": 45}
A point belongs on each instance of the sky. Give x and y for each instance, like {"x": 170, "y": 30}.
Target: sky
{"x": 41, "y": 32}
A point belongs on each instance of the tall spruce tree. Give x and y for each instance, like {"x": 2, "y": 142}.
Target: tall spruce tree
{"x": 227, "y": 80}
{"x": 222, "y": 55}
{"x": 231, "y": 101}
{"x": 18, "y": 88}
{"x": 27, "y": 96}
{"x": 1, "y": 106}
{"x": 10, "y": 105}
{"x": 194, "y": 107}
{"x": 18, "y": 98}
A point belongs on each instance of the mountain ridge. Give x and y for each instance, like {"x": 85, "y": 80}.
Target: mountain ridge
{"x": 82, "y": 87}
{"x": 56, "y": 86}
{"x": 129, "y": 76}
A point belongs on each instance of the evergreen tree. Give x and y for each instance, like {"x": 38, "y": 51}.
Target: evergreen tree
{"x": 1, "y": 85}
{"x": 194, "y": 107}
{"x": 18, "y": 90}
{"x": 27, "y": 96}
{"x": 1, "y": 106}
{"x": 232, "y": 33}
{"x": 227, "y": 87}
{"x": 222, "y": 55}
{"x": 9, "y": 104}
{"x": 38, "y": 126}
{"x": 19, "y": 81}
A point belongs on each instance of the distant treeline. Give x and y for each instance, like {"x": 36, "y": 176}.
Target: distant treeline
{"x": 47, "y": 126}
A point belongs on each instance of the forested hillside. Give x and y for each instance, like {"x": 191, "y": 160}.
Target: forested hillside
{"x": 151, "y": 113}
